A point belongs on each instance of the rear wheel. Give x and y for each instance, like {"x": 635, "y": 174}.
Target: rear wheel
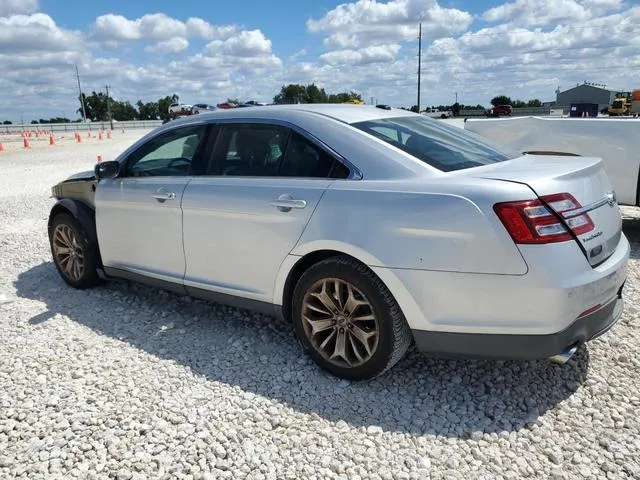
{"x": 74, "y": 255}
{"x": 347, "y": 320}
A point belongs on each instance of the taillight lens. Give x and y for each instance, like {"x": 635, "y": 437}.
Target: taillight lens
{"x": 530, "y": 221}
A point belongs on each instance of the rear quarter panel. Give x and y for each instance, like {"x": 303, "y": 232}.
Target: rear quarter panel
{"x": 417, "y": 225}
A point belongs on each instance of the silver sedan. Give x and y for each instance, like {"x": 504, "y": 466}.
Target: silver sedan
{"x": 368, "y": 228}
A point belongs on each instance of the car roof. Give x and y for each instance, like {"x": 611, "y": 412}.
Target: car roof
{"x": 347, "y": 113}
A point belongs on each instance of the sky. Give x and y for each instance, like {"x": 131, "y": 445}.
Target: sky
{"x": 208, "y": 51}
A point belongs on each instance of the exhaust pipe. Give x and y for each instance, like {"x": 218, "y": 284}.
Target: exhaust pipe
{"x": 565, "y": 356}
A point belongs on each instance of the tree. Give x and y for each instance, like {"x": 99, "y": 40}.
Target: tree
{"x": 414, "y": 108}
{"x": 95, "y": 106}
{"x": 345, "y": 97}
{"x": 7, "y": 122}
{"x": 163, "y": 105}
{"x": 501, "y": 100}
{"x": 455, "y": 109}
{"x": 123, "y": 111}
{"x": 148, "y": 111}
{"x": 55, "y": 120}
{"x": 534, "y": 103}
{"x": 311, "y": 93}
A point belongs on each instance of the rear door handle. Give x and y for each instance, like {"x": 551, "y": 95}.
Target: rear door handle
{"x": 285, "y": 203}
{"x": 164, "y": 196}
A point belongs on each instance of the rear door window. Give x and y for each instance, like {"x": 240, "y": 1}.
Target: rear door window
{"x": 442, "y": 146}
{"x": 263, "y": 150}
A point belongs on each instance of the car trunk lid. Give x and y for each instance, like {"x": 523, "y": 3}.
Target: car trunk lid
{"x": 581, "y": 177}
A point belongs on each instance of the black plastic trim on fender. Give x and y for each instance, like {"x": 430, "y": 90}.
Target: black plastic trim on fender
{"x": 83, "y": 213}
{"x": 520, "y": 347}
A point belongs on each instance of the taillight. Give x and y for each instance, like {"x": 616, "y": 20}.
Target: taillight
{"x": 530, "y": 221}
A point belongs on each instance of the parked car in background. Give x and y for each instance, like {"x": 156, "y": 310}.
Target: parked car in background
{"x": 500, "y": 110}
{"x": 202, "y": 108}
{"x": 435, "y": 113}
{"x": 179, "y": 109}
{"x": 367, "y": 228}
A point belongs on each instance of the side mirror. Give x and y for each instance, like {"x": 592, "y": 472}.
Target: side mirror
{"x": 107, "y": 169}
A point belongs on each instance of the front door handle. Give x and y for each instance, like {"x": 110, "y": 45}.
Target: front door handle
{"x": 161, "y": 197}
{"x": 286, "y": 202}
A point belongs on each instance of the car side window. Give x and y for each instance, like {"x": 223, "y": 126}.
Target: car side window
{"x": 169, "y": 154}
{"x": 250, "y": 150}
{"x": 304, "y": 159}
{"x": 271, "y": 150}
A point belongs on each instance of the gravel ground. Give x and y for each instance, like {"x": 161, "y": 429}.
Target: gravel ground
{"x": 125, "y": 381}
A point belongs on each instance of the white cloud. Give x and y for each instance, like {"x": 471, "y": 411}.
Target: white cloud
{"x": 363, "y": 56}
{"x": 546, "y": 12}
{"x": 20, "y": 34}
{"x": 198, "y": 27}
{"x": 164, "y": 33}
{"x": 12, "y": 7}
{"x": 247, "y": 44}
{"x": 369, "y": 46}
{"x": 367, "y": 22}
{"x": 153, "y": 26}
{"x": 173, "y": 45}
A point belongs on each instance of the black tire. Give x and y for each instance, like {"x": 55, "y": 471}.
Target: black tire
{"x": 394, "y": 335}
{"x": 89, "y": 276}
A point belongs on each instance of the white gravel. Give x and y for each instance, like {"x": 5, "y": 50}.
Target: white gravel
{"x": 129, "y": 382}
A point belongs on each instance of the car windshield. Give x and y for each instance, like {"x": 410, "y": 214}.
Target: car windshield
{"x": 436, "y": 143}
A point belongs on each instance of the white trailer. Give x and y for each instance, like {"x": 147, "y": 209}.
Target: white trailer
{"x": 614, "y": 140}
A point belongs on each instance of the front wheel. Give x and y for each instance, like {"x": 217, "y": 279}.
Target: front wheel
{"x": 74, "y": 255}
{"x": 347, "y": 320}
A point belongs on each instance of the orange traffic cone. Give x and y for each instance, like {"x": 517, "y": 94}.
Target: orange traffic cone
{"x": 1, "y": 147}
{"x": 99, "y": 135}
{"x": 79, "y": 137}
{"x": 25, "y": 142}
{"x": 52, "y": 141}
{"x": 109, "y": 134}
{"x": 99, "y": 158}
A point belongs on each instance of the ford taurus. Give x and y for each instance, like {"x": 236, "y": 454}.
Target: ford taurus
{"x": 368, "y": 228}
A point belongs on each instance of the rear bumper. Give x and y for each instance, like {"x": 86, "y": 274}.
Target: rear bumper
{"x": 521, "y": 347}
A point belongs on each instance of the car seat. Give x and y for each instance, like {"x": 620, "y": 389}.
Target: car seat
{"x": 253, "y": 151}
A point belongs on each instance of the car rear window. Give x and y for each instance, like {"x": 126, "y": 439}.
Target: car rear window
{"x": 436, "y": 143}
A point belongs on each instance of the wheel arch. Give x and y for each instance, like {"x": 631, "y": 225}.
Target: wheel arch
{"x": 297, "y": 267}
{"x": 294, "y": 267}
{"x": 82, "y": 213}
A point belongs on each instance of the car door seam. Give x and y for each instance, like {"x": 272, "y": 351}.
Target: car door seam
{"x": 184, "y": 251}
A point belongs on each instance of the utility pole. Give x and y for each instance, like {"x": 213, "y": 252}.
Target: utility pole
{"x": 84, "y": 114}
{"x": 109, "y": 107}
{"x": 456, "y": 97}
{"x": 419, "y": 62}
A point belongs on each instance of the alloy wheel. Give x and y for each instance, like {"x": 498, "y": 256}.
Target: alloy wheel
{"x": 68, "y": 252}
{"x": 340, "y": 323}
